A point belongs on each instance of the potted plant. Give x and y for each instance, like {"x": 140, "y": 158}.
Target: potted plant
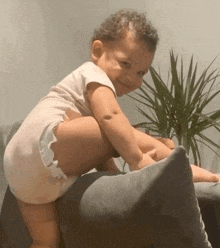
{"x": 178, "y": 108}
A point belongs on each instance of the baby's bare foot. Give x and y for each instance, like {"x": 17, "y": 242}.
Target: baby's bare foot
{"x": 218, "y": 175}
{"x": 202, "y": 175}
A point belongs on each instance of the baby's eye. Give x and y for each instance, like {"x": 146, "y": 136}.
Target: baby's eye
{"x": 125, "y": 64}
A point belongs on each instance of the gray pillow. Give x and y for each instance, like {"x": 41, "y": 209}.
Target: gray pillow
{"x": 161, "y": 195}
{"x": 207, "y": 191}
{"x": 105, "y": 210}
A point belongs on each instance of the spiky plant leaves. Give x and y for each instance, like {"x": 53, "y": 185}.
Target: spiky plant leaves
{"x": 178, "y": 108}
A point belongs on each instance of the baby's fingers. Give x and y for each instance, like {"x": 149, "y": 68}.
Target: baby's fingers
{"x": 152, "y": 153}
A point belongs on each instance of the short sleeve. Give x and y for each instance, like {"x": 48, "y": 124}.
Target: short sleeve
{"x": 92, "y": 73}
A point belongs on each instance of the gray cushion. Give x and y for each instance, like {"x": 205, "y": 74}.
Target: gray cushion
{"x": 161, "y": 195}
{"x": 104, "y": 210}
{"x": 207, "y": 191}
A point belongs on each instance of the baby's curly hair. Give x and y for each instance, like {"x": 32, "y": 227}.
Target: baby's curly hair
{"x": 117, "y": 25}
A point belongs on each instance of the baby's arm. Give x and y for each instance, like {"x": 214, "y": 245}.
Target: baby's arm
{"x": 115, "y": 125}
{"x": 133, "y": 146}
{"x": 147, "y": 143}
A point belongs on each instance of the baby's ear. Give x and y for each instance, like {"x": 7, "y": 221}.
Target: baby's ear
{"x": 97, "y": 49}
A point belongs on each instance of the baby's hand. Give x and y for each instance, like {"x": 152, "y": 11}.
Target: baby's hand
{"x": 202, "y": 175}
{"x": 151, "y": 154}
{"x": 146, "y": 160}
{"x": 167, "y": 142}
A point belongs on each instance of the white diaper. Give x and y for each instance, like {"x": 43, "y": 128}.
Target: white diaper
{"x": 47, "y": 155}
{"x": 33, "y": 175}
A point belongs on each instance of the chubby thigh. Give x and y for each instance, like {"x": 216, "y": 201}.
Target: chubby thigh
{"x": 81, "y": 146}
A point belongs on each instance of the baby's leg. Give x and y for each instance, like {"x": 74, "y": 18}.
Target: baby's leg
{"x": 42, "y": 223}
{"x": 81, "y": 146}
{"x": 147, "y": 143}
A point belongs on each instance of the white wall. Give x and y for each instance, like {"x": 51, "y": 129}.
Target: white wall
{"x": 190, "y": 27}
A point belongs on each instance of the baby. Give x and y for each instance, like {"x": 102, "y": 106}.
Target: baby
{"x": 79, "y": 126}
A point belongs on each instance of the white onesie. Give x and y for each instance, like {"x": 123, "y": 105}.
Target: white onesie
{"x": 30, "y": 169}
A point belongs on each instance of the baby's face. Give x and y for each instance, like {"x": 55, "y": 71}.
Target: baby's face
{"x": 126, "y": 62}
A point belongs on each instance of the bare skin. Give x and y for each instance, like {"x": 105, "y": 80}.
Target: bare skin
{"x": 90, "y": 142}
